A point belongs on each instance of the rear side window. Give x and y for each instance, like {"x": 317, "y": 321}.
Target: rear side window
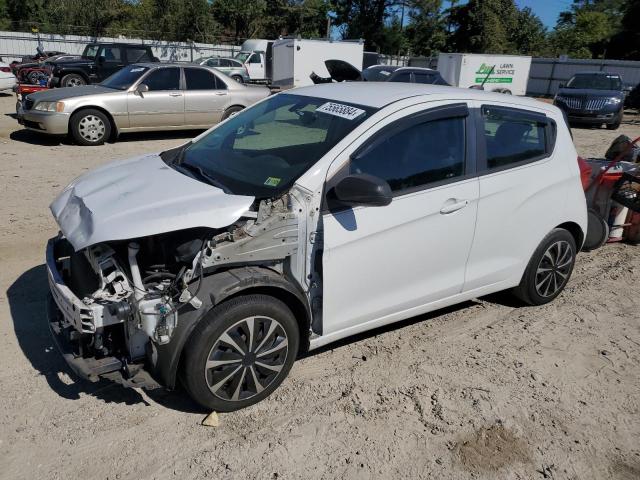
{"x": 199, "y": 79}
{"x": 163, "y": 79}
{"x": 110, "y": 54}
{"x": 427, "y": 78}
{"x": 419, "y": 155}
{"x": 513, "y": 137}
{"x": 136, "y": 55}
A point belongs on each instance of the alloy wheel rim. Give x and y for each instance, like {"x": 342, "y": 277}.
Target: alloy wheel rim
{"x": 554, "y": 268}
{"x": 246, "y": 358}
{"x": 91, "y": 128}
{"x": 75, "y": 82}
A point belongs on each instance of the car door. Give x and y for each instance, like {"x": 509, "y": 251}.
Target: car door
{"x": 138, "y": 55}
{"x": 255, "y": 66}
{"x": 162, "y": 105}
{"x": 206, "y": 97}
{"x": 519, "y": 191}
{"x": 109, "y": 61}
{"x": 387, "y": 263}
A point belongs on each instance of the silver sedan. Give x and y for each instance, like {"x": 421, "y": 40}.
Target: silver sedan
{"x": 139, "y": 97}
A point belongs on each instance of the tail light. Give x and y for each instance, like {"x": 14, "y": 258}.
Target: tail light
{"x": 5, "y": 69}
{"x": 585, "y": 172}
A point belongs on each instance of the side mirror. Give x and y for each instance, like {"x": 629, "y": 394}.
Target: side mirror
{"x": 561, "y": 85}
{"x": 362, "y": 190}
{"x": 141, "y": 89}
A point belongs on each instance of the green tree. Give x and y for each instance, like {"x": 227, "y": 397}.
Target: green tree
{"x": 530, "y": 35}
{"x": 240, "y": 18}
{"x": 426, "y": 31}
{"x": 364, "y": 19}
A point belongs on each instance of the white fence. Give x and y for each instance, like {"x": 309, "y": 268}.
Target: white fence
{"x": 14, "y": 45}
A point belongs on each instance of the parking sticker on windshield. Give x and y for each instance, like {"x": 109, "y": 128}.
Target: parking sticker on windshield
{"x": 340, "y": 110}
{"x": 272, "y": 181}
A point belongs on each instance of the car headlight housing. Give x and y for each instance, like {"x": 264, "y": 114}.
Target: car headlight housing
{"x": 613, "y": 101}
{"x": 50, "y": 106}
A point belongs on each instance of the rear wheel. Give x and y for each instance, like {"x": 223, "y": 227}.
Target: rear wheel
{"x": 72, "y": 80}
{"x": 240, "y": 352}
{"x": 90, "y": 127}
{"x": 231, "y": 111}
{"x": 238, "y": 78}
{"x": 549, "y": 269}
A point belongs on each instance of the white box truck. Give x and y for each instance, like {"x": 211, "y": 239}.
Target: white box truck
{"x": 502, "y": 73}
{"x": 294, "y": 59}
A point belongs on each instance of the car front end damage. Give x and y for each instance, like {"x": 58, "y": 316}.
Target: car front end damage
{"x": 115, "y": 306}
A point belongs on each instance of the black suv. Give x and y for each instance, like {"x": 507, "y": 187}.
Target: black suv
{"x": 594, "y": 98}
{"x": 98, "y": 61}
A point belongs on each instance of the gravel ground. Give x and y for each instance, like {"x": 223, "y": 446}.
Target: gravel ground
{"x": 484, "y": 390}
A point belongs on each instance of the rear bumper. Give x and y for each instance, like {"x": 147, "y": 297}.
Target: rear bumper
{"x": 7, "y": 83}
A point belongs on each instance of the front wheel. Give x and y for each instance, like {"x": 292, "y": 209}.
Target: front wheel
{"x": 238, "y": 78}
{"x": 240, "y": 352}
{"x": 549, "y": 269}
{"x": 616, "y": 124}
{"x": 90, "y": 127}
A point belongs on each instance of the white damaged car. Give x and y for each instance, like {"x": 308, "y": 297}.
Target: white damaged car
{"x": 316, "y": 214}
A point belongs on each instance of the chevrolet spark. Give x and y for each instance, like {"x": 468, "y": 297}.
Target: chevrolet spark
{"x": 314, "y": 215}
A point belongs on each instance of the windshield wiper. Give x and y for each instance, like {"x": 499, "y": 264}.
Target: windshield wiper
{"x": 201, "y": 173}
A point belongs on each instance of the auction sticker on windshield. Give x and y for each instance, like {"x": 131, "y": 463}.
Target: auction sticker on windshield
{"x": 340, "y": 110}
{"x": 272, "y": 181}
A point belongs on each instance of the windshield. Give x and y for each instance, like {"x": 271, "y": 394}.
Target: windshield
{"x": 242, "y": 56}
{"x": 264, "y": 149}
{"x": 90, "y": 51}
{"x": 125, "y": 77}
{"x": 595, "y": 82}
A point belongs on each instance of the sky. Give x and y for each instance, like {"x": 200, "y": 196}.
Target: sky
{"x": 547, "y": 10}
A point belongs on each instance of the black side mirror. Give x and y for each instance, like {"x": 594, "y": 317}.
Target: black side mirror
{"x": 362, "y": 190}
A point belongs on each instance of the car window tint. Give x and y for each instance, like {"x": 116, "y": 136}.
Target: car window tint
{"x": 163, "y": 79}
{"x": 419, "y": 155}
{"x": 512, "y": 136}
{"x": 135, "y": 55}
{"x": 225, "y": 63}
{"x": 428, "y": 78}
{"x": 401, "y": 77}
{"x": 199, "y": 79}
{"x": 110, "y": 54}
{"x": 214, "y": 62}
{"x": 255, "y": 58}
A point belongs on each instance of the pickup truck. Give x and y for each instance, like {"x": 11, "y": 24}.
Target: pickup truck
{"x": 98, "y": 61}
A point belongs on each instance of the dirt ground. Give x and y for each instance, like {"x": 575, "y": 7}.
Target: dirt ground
{"x": 485, "y": 390}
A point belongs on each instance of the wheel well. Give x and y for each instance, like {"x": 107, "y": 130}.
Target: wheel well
{"x": 234, "y": 106}
{"x": 114, "y": 128}
{"x": 575, "y": 231}
{"x": 79, "y": 72}
{"x": 298, "y": 308}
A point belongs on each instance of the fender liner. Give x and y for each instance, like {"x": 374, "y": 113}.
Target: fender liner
{"x": 216, "y": 288}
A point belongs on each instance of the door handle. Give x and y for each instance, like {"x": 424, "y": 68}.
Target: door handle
{"x": 221, "y": 93}
{"x": 175, "y": 94}
{"x": 453, "y": 205}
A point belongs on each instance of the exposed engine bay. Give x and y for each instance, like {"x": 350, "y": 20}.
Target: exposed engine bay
{"x": 125, "y": 297}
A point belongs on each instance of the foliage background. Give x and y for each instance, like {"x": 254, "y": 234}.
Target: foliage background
{"x": 587, "y": 29}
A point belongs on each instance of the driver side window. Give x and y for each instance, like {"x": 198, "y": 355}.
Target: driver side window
{"x": 416, "y": 156}
{"x": 163, "y": 79}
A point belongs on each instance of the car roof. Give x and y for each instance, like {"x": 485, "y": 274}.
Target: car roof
{"x": 417, "y": 69}
{"x": 380, "y": 94}
{"x": 119, "y": 44}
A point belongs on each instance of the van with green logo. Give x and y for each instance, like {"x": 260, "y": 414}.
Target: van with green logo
{"x": 495, "y": 73}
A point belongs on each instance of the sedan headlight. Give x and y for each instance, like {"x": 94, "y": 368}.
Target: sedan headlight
{"x": 50, "y": 106}
{"x": 613, "y": 101}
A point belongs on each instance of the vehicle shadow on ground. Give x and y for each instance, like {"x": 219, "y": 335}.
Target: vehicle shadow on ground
{"x": 27, "y": 302}
{"x": 34, "y": 138}
{"x": 163, "y": 135}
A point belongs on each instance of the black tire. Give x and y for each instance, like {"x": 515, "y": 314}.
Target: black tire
{"x": 597, "y": 231}
{"x": 238, "y": 78}
{"x": 90, "y": 127}
{"x": 243, "y": 379}
{"x": 72, "y": 80}
{"x": 231, "y": 111}
{"x": 549, "y": 269}
{"x": 616, "y": 124}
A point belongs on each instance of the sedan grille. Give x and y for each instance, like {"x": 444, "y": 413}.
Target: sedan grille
{"x": 574, "y": 103}
{"x": 594, "y": 104}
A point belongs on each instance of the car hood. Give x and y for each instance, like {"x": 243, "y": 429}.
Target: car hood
{"x": 140, "y": 197}
{"x": 56, "y": 94}
{"x": 588, "y": 92}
